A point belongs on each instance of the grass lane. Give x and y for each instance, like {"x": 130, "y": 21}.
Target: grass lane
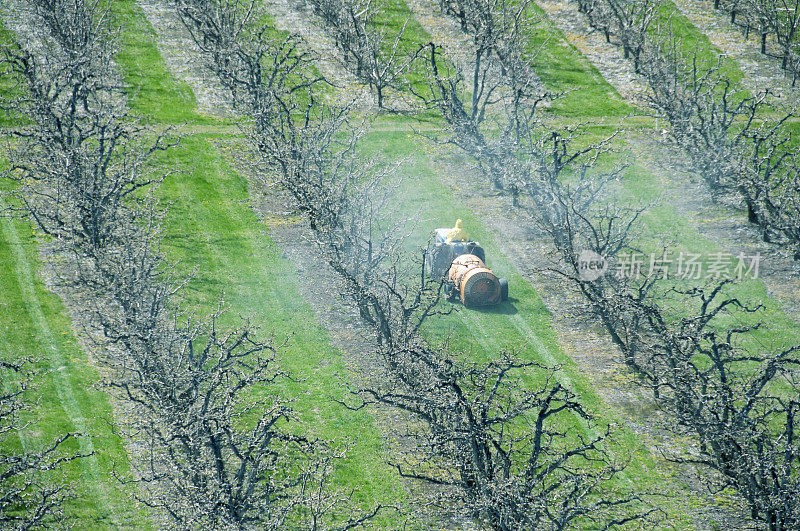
{"x": 153, "y": 92}
{"x": 563, "y": 68}
{"x": 212, "y": 230}
{"x": 33, "y": 323}
{"x": 693, "y": 42}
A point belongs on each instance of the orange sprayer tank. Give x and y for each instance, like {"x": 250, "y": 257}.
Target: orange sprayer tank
{"x": 475, "y": 283}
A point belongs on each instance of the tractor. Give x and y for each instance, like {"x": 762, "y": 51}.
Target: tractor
{"x": 460, "y": 263}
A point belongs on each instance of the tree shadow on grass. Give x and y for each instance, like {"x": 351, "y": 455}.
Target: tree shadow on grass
{"x": 507, "y": 307}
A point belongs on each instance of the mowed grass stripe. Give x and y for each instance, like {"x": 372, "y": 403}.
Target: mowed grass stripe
{"x": 663, "y": 222}
{"x": 693, "y": 41}
{"x": 213, "y": 230}
{"x": 563, "y": 68}
{"x": 36, "y": 326}
{"x": 535, "y": 313}
{"x": 58, "y": 362}
{"x": 154, "y": 92}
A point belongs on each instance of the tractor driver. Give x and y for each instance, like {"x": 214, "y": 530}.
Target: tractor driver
{"x": 457, "y": 234}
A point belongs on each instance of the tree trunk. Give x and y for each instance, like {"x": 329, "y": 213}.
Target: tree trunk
{"x": 751, "y": 214}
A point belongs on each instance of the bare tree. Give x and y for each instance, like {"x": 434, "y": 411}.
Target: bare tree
{"x": 626, "y": 20}
{"x": 368, "y": 47}
{"x": 216, "y": 456}
{"x": 724, "y": 132}
{"x": 780, "y": 18}
{"x": 735, "y": 398}
{"x": 783, "y": 18}
{"x": 500, "y": 32}
{"x": 81, "y": 157}
{"x": 632, "y": 21}
{"x": 83, "y": 32}
{"x": 498, "y": 451}
{"x": 729, "y": 141}
{"x": 470, "y": 107}
{"x": 749, "y": 15}
{"x": 496, "y": 103}
{"x": 689, "y": 362}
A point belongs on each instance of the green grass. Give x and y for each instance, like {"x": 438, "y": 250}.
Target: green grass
{"x": 33, "y": 323}
{"x": 562, "y": 68}
{"x": 153, "y": 92}
{"x": 212, "y": 230}
{"x": 663, "y": 223}
{"x": 393, "y": 14}
{"x": 9, "y": 89}
{"x": 559, "y": 65}
{"x": 694, "y": 43}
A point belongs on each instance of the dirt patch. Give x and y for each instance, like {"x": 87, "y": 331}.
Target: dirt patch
{"x": 184, "y": 59}
{"x": 606, "y": 57}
